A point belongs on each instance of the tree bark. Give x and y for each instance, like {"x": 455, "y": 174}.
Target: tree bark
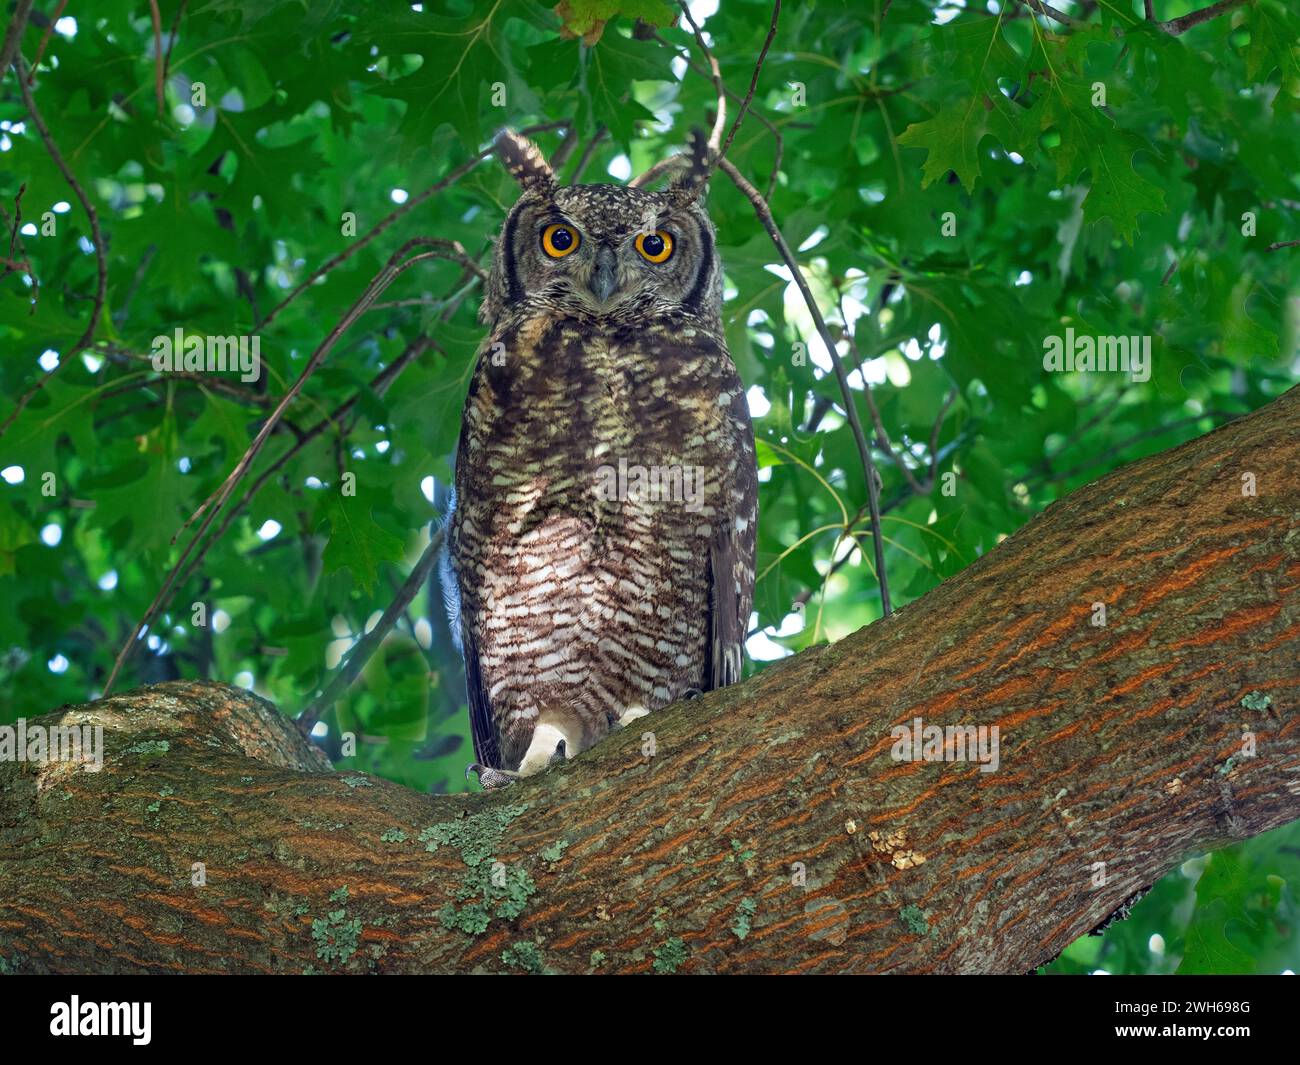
{"x": 763, "y": 828}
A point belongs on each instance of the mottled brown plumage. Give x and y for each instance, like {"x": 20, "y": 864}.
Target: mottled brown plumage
{"x": 602, "y": 540}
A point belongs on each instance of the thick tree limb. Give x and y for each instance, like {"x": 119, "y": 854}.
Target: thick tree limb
{"x": 770, "y": 829}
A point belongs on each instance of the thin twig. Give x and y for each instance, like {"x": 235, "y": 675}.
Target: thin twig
{"x": 45, "y": 40}
{"x": 720, "y": 115}
{"x": 753, "y": 81}
{"x": 654, "y": 171}
{"x": 1174, "y": 27}
{"x": 369, "y": 643}
{"x": 1050, "y": 12}
{"x": 1184, "y": 23}
{"x": 101, "y": 263}
{"x": 389, "y": 219}
{"x": 764, "y": 213}
{"x": 566, "y": 149}
{"x": 587, "y": 153}
{"x": 213, "y": 504}
{"x": 171, "y": 39}
{"x": 378, "y": 386}
{"x": 13, "y": 36}
{"x": 155, "y": 16}
{"x": 383, "y": 279}
{"x": 886, "y": 446}
{"x": 1278, "y": 244}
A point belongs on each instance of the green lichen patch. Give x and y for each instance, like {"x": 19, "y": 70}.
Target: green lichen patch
{"x": 393, "y": 835}
{"x": 555, "y": 850}
{"x": 487, "y": 891}
{"x": 149, "y": 747}
{"x": 744, "y": 915}
{"x": 339, "y": 894}
{"x": 156, "y": 805}
{"x": 914, "y": 919}
{"x": 597, "y": 958}
{"x": 477, "y": 836}
{"x": 670, "y": 957}
{"x": 742, "y": 853}
{"x": 336, "y": 936}
{"x": 358, "y": 782}
{"x": 1257, "y": 701}
{"x": 524, "y": 955}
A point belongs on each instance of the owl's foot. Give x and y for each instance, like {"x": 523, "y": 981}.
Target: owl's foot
{"x": 489, "y": 778}
{"x": 632, "y": 713}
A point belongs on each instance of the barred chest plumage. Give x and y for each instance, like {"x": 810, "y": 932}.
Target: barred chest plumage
{"x": 607, "y": 461}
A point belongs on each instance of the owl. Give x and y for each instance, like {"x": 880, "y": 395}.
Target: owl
{"x": 600, "y": 548}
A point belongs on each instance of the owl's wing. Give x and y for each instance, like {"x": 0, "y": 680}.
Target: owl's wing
{"x": 487, "y": 744}
{"x": 731, "y": 571}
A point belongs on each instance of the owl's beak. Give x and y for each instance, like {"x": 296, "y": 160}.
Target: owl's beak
{"x": 604, "y": 274}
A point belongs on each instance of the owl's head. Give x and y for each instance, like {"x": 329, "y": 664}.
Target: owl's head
{"x": 610, "y": 252}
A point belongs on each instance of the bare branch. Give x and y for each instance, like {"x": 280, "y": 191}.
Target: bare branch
{"x": 720, "y": 115}
{"x": 45, "y": 40}
{"x": 171, "y": 38}
{"x": 764, "y": 213}
{"x": 1195, "y": 18}
{"x": 369, "y": 643}
{"x": 1038, "y": 7}
{"x": 155, "y": 16}
{"x": 753, "y": 81}
{"x": 455, "y": 175}
{"x": 101, "y": 263}
{"x": 658, "y": 168}
{"x": 587, "y": 153}
{"x": 213, "y": 504}
{"x": 14, "y": 35}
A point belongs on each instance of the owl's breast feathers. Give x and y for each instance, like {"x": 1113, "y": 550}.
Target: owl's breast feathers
{"x": 604, "y": 534}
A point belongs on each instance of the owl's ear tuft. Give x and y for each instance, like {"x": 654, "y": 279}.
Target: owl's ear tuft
{"x": 693, "y": 180}
{"x": 525, "y": 162}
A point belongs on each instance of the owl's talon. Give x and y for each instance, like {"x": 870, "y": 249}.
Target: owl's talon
{"x": 489, "y": 778}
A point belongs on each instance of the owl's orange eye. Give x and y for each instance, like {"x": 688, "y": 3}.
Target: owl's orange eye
{"x": 655, "y": 247}
{"x": 558, "y": 240}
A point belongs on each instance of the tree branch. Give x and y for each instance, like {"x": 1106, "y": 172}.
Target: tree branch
{"x": 1121, "y": 748}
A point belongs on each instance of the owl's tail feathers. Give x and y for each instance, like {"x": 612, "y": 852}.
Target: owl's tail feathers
{"x": 525, "y": 162}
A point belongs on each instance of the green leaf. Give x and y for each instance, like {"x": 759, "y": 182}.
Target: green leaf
{"x": 357, "y": 543}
